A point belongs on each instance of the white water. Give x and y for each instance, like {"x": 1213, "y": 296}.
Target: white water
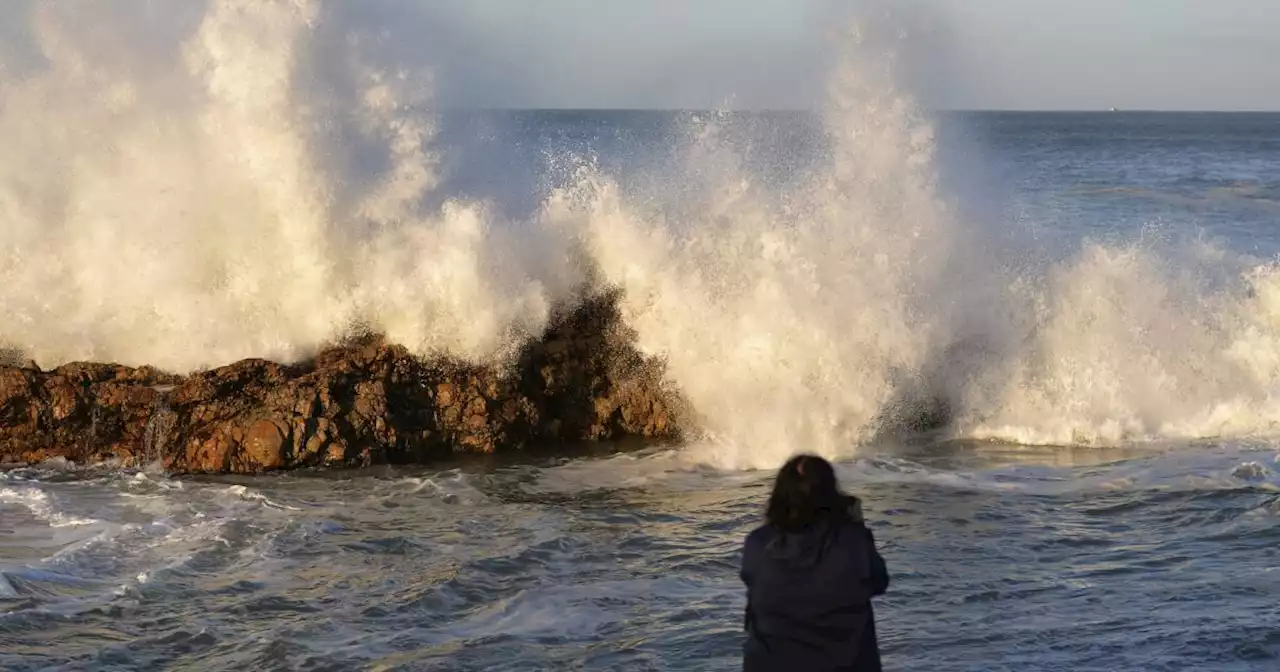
{"x": 190, "y": 215}
{"x": 188, "y": 199}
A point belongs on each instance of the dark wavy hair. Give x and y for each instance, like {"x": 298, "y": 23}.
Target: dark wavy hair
{"x": 804, "y": 493}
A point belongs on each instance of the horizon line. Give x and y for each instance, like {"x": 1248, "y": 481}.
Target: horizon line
{"x": 792, "y": 110}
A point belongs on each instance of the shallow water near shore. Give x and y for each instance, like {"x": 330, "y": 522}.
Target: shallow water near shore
{"x": 1002, "y": 558}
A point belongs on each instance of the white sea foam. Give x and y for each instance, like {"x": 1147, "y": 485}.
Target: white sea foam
{"x": 7, "y": 590}
{"x": 243, "y": 493}
{"x": 38, "y": 503}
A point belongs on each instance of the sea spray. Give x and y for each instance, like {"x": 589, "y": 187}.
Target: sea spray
{"x": 190, "y": 215}
{"x": 1136, "y": 343}
{"x": 789, "y": 320}
{"x": 858, "y": 300}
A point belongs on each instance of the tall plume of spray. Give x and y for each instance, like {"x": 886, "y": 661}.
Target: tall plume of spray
{"x": 822, "y": 314}
{"x": 179, "y": 203}
{"x": 795, "y": 320}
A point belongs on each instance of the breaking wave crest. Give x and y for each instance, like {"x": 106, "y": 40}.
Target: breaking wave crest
{"x": 255, "y": 179}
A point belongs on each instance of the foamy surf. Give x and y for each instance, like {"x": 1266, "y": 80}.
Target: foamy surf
{"x": 39, "y": 505}
{"x": 377, "y": 568}
{"x": 150, "y": 538}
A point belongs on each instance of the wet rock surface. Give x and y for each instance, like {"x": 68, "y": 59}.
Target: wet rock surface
{"x": 361, "y": 402}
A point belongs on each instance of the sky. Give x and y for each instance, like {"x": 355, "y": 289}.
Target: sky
{"x": 1132, "y": 54}
{"x": 775, "y": 54}
{"x": 629, "y": 53}
{"x": 973, "y": 54}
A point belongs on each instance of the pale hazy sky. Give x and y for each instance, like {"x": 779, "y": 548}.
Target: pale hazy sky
{"x": 1028, "y": 54}
{"x": 1153, "y": 54}
{"x": 1042, "y": 54}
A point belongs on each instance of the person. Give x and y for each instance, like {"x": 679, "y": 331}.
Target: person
{"x": 810, "y": 573}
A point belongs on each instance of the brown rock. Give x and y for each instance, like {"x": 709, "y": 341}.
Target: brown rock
{"x": 358, "y": 402}
{"x": 263, "y": 445}
{"x": 63, "y": 398}
{"x": 444, "y": 394}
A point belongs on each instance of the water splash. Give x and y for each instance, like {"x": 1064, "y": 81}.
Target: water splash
{"x": 792, "y": 321}
{"x": 158, "y": 431}
{"x": 860, "y": 300}
{"x": 190, "y": 215}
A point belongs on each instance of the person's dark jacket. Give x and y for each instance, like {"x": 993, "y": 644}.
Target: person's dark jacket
{"x": 809, "y": 598}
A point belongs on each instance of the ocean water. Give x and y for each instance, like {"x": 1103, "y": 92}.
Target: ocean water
{"x": 1001, "y": 559}
{"x": 1087, "y": 304}
{"x": 1154, "y": 555}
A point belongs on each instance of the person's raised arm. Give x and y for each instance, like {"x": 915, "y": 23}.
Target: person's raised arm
{"x": 745, "y": 573}
{"x": 879, "y": 582}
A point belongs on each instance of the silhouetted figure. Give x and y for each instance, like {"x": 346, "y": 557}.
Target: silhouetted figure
{"x": 811, "y": 571}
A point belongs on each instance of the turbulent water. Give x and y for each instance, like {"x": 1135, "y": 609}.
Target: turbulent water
{"x": 238, "y": 178}
{"x": 1001, "y": 560}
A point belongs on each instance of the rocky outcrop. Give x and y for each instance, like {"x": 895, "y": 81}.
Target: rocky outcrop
{"x": 357, "y": 403}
